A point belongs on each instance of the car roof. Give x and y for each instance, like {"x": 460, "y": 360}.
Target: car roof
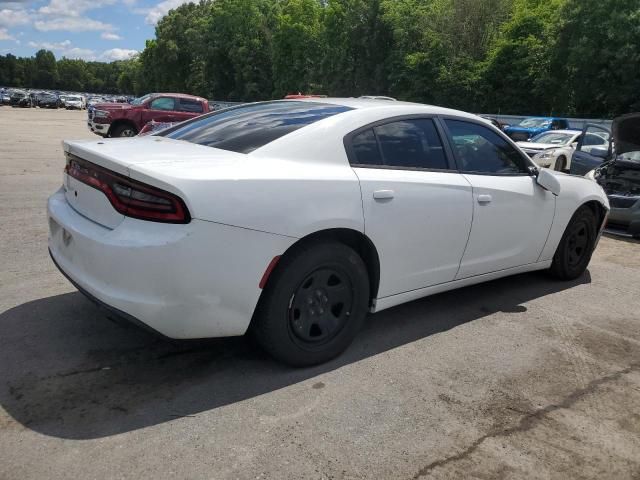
{"x": 178, "y": 95}
{"x": 568, "y": 131}
{"x": 397, "y": 107}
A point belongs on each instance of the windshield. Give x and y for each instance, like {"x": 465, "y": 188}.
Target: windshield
{"x": 141, "y": 100}
{"x": 74, "y": 99}
{"x": 535, "y": 122}
{"x": 246, "y": 128}
{"x": 554, "y": 138}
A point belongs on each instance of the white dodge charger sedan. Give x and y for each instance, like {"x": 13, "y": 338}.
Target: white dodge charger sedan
{"x": 294, "y": 219}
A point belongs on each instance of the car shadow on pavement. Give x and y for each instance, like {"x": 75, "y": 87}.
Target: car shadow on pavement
{"x": 67, "y": 372}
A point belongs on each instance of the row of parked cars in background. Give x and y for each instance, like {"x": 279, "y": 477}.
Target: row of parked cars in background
{"x": 16, "y": 97}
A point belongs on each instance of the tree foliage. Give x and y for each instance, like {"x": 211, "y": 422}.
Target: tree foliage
{"x": 565, "y": 57}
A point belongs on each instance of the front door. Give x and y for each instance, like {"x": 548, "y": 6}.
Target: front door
{"x": 417, "y": 207}
{"x": 512, "y": 214}
{"x": 593, "y": 137}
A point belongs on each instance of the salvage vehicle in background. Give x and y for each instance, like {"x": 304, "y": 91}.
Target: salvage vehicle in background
{"x": 530, "y": 127}
{"x": 126, "y": 120}
{"x": 74, "y": 102}
{"x": 20, "y": 98}
{"x": 553, "y": 149}
{"x": 591, "y": 152}
{"x": 294, "y": 219}
{"x": 49, "y": 100}
{"x": 619, "y": 176}
{"x": 154, "y": 127}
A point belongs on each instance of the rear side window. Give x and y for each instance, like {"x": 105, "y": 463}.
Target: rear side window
{"x": 188, "y": 105}
{"x": 162, "y": 103}
{"x": 480, "y": 150}
{"x": 412, "y": 143}
{"x": 365, "y": 148}
{"x": 246, "y": 128}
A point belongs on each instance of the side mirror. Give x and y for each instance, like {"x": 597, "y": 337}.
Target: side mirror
{"x": 600, "y": 153}
{"x": 549, "y": 181}
{"x": 574, "y": 145}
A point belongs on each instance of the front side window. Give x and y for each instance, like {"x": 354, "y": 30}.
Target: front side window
{"x": 481, "y": 150}
{"x": 411, "y": 143}
{"x": 246, "y": 128}
{"x": 162, "y": 103}
{"x": 591, "y": 139}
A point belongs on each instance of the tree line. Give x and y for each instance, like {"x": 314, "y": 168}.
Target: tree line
{"x": 534, "y": 57}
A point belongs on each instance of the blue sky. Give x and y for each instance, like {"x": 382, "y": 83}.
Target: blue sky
{"x": 102, "y": 30}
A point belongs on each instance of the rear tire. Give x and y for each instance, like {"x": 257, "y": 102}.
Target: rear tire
{"x": 314, "y": 304}
{"x": 576, "y": 246}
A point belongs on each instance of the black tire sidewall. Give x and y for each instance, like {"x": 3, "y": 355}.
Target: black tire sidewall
{"x": 560, "y": 266}
{"x": 271, "y": 325}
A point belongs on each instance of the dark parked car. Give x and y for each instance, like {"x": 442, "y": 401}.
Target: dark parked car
{"x": 20, "y": 98}
{"x": 619, "y": 176}
{"x": 590, "y": 152}
{"x": 49, "y": 101}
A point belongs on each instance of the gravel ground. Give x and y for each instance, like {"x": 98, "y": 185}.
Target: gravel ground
{"x": 523, "y": 377}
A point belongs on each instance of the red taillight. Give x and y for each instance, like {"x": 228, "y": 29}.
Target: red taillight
{"x": 129, "y": 197}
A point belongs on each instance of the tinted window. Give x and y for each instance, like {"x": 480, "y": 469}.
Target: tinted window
{"x": 483, "y": 151}
{"x": 248, "y": 127}
{"x": 365, "y": 148}
{"x": 163, "y": 103}
{"x": 411, "y": 143}
{"x": 187, "y": 105}
{"x": 592, "y": 139}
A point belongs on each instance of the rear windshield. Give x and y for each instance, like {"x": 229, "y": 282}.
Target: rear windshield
{"x": 246, "y": 128}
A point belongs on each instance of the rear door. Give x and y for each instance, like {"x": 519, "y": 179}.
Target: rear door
{"x": 188, "y": 108}
{"x": 417, "y": 207}
{"x": 512, "y": 214}
{"x": 593, "y": 136}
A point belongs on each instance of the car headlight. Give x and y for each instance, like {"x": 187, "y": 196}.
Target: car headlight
{"x": 547, "y": 154}
{"x": 100, "y": 114}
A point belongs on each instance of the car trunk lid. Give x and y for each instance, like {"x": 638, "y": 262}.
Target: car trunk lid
{"x": 155, "y": 161}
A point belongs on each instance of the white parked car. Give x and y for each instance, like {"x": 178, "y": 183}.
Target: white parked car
{"x": 73, "y": 102}
{"x": 294, "y": 219}
{"x": 554, "y": 149}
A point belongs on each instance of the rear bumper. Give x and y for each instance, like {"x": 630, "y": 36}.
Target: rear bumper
{"x": 184, "y": 281}
{"x": 101, "y": 129}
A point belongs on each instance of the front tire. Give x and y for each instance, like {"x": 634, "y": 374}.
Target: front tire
{"x": 124, "y": 131}
{"x": 314, "y": 304}
{"x": 576, "y": 246}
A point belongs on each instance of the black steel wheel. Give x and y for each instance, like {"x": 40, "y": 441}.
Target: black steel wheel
{"x": 313, "y": 305}
{"x": 321, "y": 306}
{"x": 576, "y": 246}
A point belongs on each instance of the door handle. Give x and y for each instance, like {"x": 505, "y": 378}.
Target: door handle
{"x": 383, "y": 194}
{"x": 484, "y": 199}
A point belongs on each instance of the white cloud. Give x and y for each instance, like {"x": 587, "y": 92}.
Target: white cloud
{"x": 118, "y": 54}
{"x": 71, "y": 24}
{"x": 72, "y": 8}
{"x": 4, "y": 34}
{"x": 51, "y": 45}
{"x": 110, "y": 36}
{"x": 154, "y": 14}
{"x": 65, "y": 49}
{"x": 11, "y": 18}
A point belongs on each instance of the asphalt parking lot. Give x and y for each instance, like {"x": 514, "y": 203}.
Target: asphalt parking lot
{"x": 523, "y": 377}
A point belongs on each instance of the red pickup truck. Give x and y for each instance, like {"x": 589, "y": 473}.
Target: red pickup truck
{"x": 127, "y": 119}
